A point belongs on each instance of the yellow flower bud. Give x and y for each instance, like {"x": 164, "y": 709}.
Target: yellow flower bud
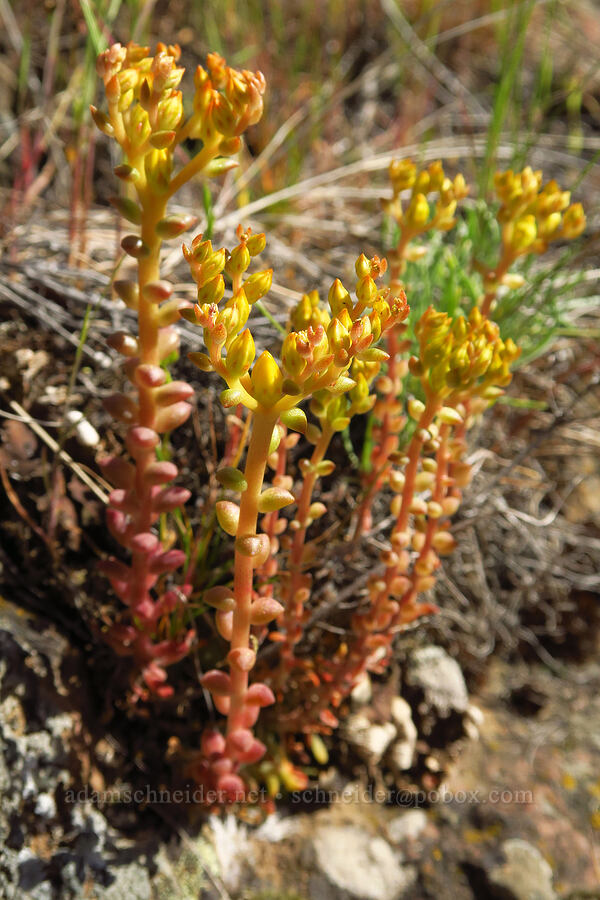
{"x": 257, "y": 285}
{"x": 573, "y": 221}
{"x": 266, "y": 380}
{"x": 239, "y": 260}
{"x": 293, "y": 363}
{"x": 240, "y": 354}
{"x": 362, "y": 266}
{"x": 417, "y": 214}
{"x": 524, "y": 233}
{"x": 337, "y": 335}
{"x": 169, "y": 112}
{"x": 402, "y": 173}
{"x": 366, "y": 291}
{"x": 338, "y": 297}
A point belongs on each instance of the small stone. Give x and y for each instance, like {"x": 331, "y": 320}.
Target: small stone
{"x": 362, "y": 691}
{"x": 441, "y": 680}
{"x": 370, "y": 741}
{"x": 45, "y": 806}
{"x": 410, "y": 825}
{"x": 401, "y": 756}
{"x": 525, "y": 875}
{"x": 357, "y": 864}
{"x": 432, "y": 764}
{"x": 471, "y": 731}
{"x": 475, "y": 715}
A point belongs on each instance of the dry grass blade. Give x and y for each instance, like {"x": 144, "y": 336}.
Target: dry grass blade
{"x": 64, "y": 457}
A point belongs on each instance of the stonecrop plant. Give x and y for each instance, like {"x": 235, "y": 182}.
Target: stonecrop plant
{"x": 275, "y": 689}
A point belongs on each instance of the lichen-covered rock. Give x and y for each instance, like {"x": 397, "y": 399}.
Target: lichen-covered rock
{"x": 50, "y": 847}
{"x": 370, "y": 741}
{"x": 408, "y": 826}
{"x": 525, "y": 875}
{"x": 440, "y": 679}
{"x": 350, "y": 862}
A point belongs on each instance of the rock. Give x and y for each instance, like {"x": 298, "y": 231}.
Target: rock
{"x": 409, "y": 825}
{"x": 131, "y": 881}
{"x": 370, "y": 741}
{"x": 401, "y": 754}
{"x": 350, "y": 862}
{"x": 81, "y": 855}
{"x": 362, "y": 691}
{"x": 525, "y": 875}
{"x": 440, "y": 679}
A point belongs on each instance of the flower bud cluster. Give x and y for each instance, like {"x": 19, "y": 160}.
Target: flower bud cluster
{"x": 146, "y": 115}
{"x": 421, "y": 213}
{"x": 531, "y": 217}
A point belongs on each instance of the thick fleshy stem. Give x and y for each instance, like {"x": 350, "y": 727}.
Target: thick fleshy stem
{"x": 249, "y": 554}
{"x": 388, "y": 410}
{"x": 290, "y": 625}
{"x": 145, "y": 116}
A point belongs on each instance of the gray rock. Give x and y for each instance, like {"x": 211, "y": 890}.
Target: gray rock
{"x": 409, "y": 825}
{"x": 362, "y": 691}
{"x": 400, "y": 756}
{"x": 370, "y": 741}
{"x": 440, "y": 678}
{"x": 353, "y": 863}
{"x": 131, "y": 881}
{"x": 525, "y": 875}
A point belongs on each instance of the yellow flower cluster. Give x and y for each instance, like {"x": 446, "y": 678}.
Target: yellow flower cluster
{"x": 461, "y": 355}
{"x": 315, "y": 357}
{"x": 145, "y": 110}
{"x": 531, "y": 215}
{"x": 420, "y": 213}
